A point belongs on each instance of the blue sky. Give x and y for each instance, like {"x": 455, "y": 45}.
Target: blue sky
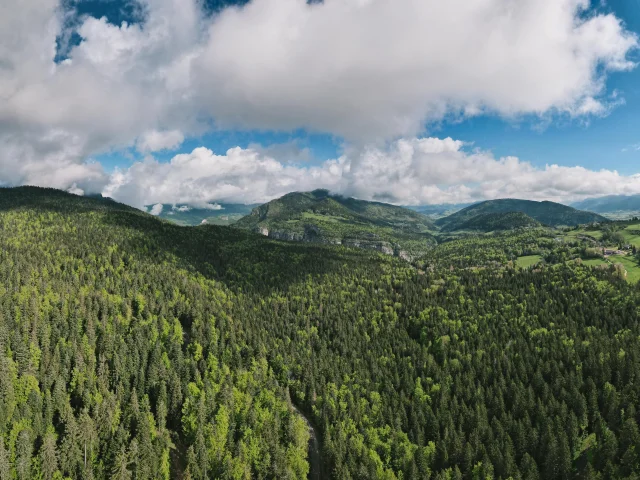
{"x": 409, "y": 102}
{"x": 599, "y": 143}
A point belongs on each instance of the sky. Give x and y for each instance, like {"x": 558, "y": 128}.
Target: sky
{"x": 412, "y": 102}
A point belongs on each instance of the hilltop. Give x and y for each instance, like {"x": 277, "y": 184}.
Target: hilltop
{"x": 492, "y": 222}
{"x": 29, "y": 197}
{"x": 321, "y": 217}
{"x": 548, "y": 213}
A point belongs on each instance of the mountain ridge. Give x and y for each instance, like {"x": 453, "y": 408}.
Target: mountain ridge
{"x": 322, "y": 217}
{"x": 546, "y": 212}
{"x": 609, "y": 203}
{"x": 490, "y": 222}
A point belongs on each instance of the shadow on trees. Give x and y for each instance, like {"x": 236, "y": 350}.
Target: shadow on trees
{"x": 242, "y": 260}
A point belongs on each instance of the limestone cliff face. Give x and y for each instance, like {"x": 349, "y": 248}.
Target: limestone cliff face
{"x": 384, "y": 247}
{"x": 313, "y": 235}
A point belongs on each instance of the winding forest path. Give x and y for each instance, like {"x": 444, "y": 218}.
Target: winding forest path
{"x": 316, "y": 465}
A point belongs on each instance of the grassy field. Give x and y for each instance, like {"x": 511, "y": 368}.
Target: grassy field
{"x": 630, "y": 234}
{"x": 528, "y": 261}
{"x": 321, "y": 218}
{"x": 633, "y": 269}
{"x": 630, "y": 265}
{"x": 597, "y": 234}
{"x": 595, "y": 262}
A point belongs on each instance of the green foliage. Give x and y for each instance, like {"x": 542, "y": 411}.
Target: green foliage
{"x": 491, "y": 222}
{"x": 116, "y": 356}
{"x": 547, "y": 213}
{"x": 321, "y": 217}
{"x": 528, "y": 261}
{"x": 134, "y": 348}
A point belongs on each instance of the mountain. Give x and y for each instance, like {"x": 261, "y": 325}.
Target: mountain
{"x": 548, "y": 213}
{"x": 610, "y": 204}
{"x": 319, "y": 216}
{"x": 28, "y": 197}
{"x": 214, "y": 214}
{"x": 491, "y": 222}
{"x": 133, "y": 348}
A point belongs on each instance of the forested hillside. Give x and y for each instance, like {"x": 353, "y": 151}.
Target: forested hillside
{"x": 134, "y": 348}
{"x": 548, "y": 213}
{"x": 491, "y": 222}
{"x": 321, "y": 217}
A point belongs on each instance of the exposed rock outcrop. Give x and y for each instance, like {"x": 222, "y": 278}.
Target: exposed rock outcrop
{"x": 312, "y": 234}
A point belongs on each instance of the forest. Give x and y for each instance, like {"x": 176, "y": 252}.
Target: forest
{"x": 133, "y": 348}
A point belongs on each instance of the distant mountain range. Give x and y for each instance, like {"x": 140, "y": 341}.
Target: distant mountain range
{"x": 215, "y": 214}
{"x": 547, "y": 213}
{"x": 322, "y": 217}
{"x": 319, "y": 216}
{"x": 439, "y": 211}
{"x": 610, "y": 204}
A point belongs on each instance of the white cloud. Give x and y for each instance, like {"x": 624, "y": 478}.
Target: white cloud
{"x": 197, "y": 178}
{"x": 213, "y": 206}
{"x": 383, "y": 67}
{"x": 76, "y": 190}
{"x": 364, "y": 70}
{"x": 156, "y": 209}
{"x": 409, "y": 171}
{"x": 119, "y": 84}
{"x": 155, "y": 141}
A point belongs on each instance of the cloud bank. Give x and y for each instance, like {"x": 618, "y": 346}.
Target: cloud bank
{"x": 368, "y": 71}
{"x": 409, "y": 171}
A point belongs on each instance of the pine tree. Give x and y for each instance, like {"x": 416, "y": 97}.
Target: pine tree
{"x": 120, "y": 469}
{"x": 48, "y": 455}
{"x": 5, "y": 466}
{"x": 24, "y": 452}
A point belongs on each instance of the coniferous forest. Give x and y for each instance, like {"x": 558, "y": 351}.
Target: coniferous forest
{"x": 132, "y": 348}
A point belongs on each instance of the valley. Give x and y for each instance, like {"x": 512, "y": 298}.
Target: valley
{"x": 179, "y": 352}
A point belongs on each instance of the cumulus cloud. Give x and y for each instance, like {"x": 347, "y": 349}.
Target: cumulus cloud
{"x": 155, "y": 141}
{"x": 363, "y": 70}
{"x": 409, "y": 171}
{"x": 119, "y": 84}
{"x": 76, "y": 190}
{"x": 213, "y": 206}
{"x": 156, "y": 209}
{"x": 200, "y": 177}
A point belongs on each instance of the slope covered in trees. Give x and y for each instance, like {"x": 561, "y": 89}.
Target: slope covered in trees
{"x": 321, "y": 217}
{"x": 490, "y": 222}
{"x": 547, "y": 213}
{"x": 134, "y": 348}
